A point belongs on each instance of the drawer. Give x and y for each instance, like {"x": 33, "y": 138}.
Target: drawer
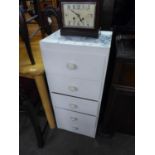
{"x": 76, "y": 62}
{"x": 76, "y": 122}
{"x": 87, "y": 89}
{"x": 75, "y": 104}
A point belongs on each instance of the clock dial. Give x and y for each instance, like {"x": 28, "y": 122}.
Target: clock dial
{"x": 79, "y": 14}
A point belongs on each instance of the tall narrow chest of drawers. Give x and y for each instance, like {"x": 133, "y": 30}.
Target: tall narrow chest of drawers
{"x": 75, "y": 68}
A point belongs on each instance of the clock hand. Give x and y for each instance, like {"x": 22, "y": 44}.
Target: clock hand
{"x": 75, "y": 13}
{"x": 78, "y": 15}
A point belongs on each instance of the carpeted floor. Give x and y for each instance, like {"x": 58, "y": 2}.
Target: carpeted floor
{"x": 60, "y": 142}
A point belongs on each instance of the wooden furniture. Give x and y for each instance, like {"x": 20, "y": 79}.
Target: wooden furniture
{"x": 53, "y": 3}
{"x": 32, "y": 7}
{"x": 30, "y": 66}
{"x": 50, "y": 19}
{"x": 120, "y": 110}
{"x": 41, "y": 12}
{"x": 118, "y": 13}
{"x": 76, "y": 68}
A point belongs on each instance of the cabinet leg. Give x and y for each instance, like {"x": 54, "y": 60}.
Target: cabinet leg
{"x": 35, "y": 122}
{"x": 42, "y": 89}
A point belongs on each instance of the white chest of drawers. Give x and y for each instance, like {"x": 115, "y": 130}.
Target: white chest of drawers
{"x": 76, "y": 68}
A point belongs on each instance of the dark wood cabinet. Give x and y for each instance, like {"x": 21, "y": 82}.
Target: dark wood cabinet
{"x": 119, "y": 115}
{"x": 121, "y": 111}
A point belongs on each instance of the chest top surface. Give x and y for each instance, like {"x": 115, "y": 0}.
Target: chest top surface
{"x": 104, "y": 40}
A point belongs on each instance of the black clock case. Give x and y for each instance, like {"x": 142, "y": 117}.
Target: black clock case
{"x": 83, "y": 31}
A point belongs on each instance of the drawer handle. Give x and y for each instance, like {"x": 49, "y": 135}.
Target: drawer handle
{"x": 73, "y": 88}
{"x": 75, "y": 128}
{"x": 71, "y": 66}
{"x": 73, "y": 118}
{"x": 73, "y": 106}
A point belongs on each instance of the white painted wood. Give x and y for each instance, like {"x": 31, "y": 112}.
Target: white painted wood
{"x": 76, "y": 66}
{"x": 74, "y": 62}
{"x": 104, "y": 40}
{"x": 75, "y": 87}
{"x": 75, "y": 122}
{"x": 75, "y": 104}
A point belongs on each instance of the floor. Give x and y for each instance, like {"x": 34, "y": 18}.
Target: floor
{"x": 60, "y": 142}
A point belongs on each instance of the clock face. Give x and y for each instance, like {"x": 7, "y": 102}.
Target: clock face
{"x": 78, "y": 14}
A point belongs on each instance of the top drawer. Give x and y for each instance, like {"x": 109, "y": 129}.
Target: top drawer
{"x": 80, "y": 62}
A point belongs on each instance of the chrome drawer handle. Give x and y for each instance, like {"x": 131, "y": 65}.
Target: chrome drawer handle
{"x": 73, "y": 118}
{"x": 75, "y": 128}
{"x": 73, "y": 88}
{"x": 71, "y": 66}
{"x": 73, "y": 106}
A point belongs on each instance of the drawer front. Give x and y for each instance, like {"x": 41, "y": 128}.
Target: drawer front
{"x": 76, "y": 64}
{"x": 75, "y": 122}
{"x": 75, "y": 104}
{"x": 75, "y": 87}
